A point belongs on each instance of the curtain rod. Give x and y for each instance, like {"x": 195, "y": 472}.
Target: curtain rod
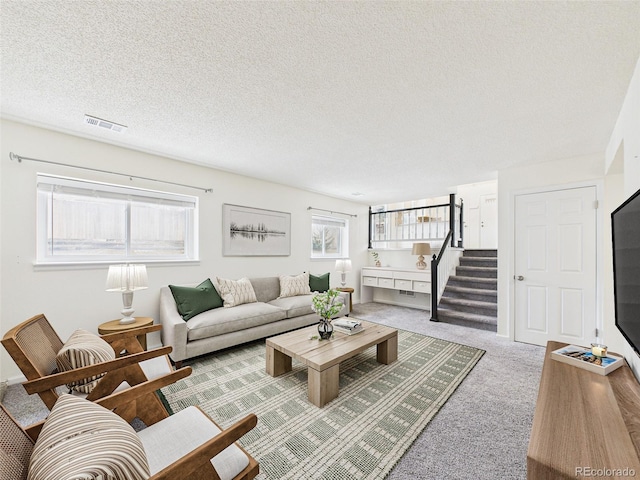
{"x": 331, "y": 211}
{"x": 19, "y": 159}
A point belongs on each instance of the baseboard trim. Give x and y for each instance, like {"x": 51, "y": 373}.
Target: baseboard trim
{"x": 15, "y": 380}
{"x": 3, "y": 389}
{"x": 408, "y": 305}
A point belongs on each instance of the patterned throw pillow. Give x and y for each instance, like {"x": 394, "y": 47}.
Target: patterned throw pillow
{"x": 290, "y": 285}
{"x": 82, "y": 440}
{"x": 83, "y": 349}
{"x": 235, "y": 292}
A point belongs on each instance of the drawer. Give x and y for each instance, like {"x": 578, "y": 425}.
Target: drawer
{"x": 370, "y": 281}
{"x": 424, "y": 287}
{"x": 370, "y": 272}
{"x": 375, "y": 272}
{"x": 423, "y": 276}
{"x": 402, "y": 284}
{"x": 385, "y": 282}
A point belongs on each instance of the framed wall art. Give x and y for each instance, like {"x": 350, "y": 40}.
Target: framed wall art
{"x": 248, "y": 231}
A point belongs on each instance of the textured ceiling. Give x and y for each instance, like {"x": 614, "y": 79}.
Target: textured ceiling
{"x": 396, "y": 100}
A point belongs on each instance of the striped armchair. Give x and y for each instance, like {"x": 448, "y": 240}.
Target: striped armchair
{"x": 82, "y": 439}
{"x": 34, "y": 346}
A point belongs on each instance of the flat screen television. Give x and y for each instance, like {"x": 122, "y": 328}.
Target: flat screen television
{"x": 625, "y": 227}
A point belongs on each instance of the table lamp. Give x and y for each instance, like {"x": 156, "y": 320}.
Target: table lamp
{"x": 126, "y": 279}
{"x": 343, "y": 266}
{"x": 421, "y": 249}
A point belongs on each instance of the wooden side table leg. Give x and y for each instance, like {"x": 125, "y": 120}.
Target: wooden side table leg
{"x": 349, "y": 291}
{"x": 324, "y": 385}
{"x": 277, "y": 362}
{"x": 387, "y": 351}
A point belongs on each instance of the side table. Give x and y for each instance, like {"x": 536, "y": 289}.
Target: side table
{"x": 114, "y": 326}
{"x": 350, "y": 291}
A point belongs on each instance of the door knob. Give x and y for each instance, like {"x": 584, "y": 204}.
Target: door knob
{"x": 520, "y": 278}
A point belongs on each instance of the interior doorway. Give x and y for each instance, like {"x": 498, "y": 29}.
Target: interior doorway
{"x": 480, "y": 214}
{"x": 489, "y": 221}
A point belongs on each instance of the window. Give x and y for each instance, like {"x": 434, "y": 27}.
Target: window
{"x": 81, "y": 221}
{"x": 329, "y": 237}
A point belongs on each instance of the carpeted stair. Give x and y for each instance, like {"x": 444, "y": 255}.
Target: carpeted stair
{"x": 471, "y": 295}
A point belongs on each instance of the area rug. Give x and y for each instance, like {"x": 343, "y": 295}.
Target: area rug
{"x": 380, "y": 411}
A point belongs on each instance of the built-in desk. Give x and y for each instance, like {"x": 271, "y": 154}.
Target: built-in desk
{"x": 584, "y": 421}
{"x": 398, "y": 286}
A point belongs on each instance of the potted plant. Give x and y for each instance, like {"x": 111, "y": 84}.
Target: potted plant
{"x": 326, "y": 305}
{"x": 374, "y": 254}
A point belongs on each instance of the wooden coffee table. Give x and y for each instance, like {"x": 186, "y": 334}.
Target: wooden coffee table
{"x": 323, "y": 357}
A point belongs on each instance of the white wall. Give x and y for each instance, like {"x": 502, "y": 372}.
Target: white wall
{"x": 626, "y": 133}
{"x": 614, "y": 196}
{"x": 75, "y": 298}
{"x": 623, "y": 175}
{"x": 511, "y": 181}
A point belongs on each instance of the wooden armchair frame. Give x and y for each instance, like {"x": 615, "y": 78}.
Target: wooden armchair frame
{"x": 33, "y": 345}
{"x": 196, "y": 465}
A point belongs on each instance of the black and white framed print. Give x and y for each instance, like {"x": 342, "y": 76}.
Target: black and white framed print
{"x": 248, "y": 231}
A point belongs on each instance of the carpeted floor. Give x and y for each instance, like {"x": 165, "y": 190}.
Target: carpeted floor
{"x": 360, "y": 435}
{"x": 481, "y": 432}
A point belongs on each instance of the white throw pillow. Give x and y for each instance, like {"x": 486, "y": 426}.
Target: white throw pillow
{"x": 291, "y": 286}
{"x": 81, "y": 350}
{"x": 82, "y": 440}
{"x": 235, "y": 292}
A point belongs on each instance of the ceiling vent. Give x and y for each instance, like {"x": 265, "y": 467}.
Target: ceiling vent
{"x": 98, "y": 122}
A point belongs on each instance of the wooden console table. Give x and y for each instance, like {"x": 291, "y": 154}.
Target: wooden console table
{"x": 585, "y": 424}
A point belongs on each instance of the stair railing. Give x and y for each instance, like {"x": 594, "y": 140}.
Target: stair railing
{"x": 441, "y": 267}
{"x": 429, "y": 223}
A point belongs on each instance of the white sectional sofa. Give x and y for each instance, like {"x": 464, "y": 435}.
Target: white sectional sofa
{"x": 224, "y": 327}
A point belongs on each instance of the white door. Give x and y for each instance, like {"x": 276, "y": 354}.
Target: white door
{"x": 471, "y": 227}
{"x": 489, "y": 221}
{"x": 555, "y": 266}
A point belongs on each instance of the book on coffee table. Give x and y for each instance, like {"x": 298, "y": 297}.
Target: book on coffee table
{"x": 350, "y": 327}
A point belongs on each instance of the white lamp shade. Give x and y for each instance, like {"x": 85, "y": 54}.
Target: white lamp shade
{"x": 126, "y": 278}
{"x": 343, "y": 266}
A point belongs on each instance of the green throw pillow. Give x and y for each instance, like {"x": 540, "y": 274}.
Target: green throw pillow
{"x": 319, "y": 283}
{"x": 194, "y": 300}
